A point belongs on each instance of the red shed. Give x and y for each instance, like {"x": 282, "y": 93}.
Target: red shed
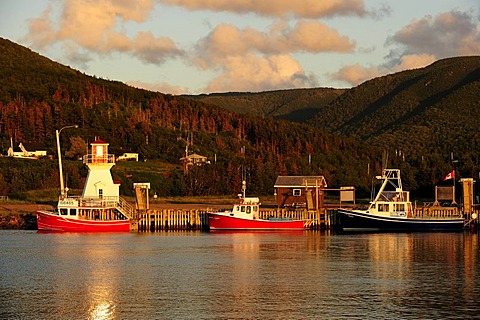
{"x": 300, "y": 191}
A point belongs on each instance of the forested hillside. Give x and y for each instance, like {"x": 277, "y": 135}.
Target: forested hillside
{"x": 297, "y": 105}
{"x": 420, "y": 118}
{"x": 425, "y": 115}
{"x": 38, "y": 96}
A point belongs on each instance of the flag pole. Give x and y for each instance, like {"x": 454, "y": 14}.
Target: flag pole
{"x": 454, "y": 175}
{"x": 454, "y": 178}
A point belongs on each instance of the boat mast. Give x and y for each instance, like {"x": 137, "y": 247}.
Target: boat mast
{"x": 388, "y": 175}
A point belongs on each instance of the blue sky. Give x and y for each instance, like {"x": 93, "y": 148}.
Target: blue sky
{"x": 204, "y": 46}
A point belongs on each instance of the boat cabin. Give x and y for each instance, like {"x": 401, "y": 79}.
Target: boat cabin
{"x": 247, "y": 208}
{"x": 391, "y": 203}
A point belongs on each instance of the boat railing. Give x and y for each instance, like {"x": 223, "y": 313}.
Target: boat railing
{"x": 125, "y": 208}
{"x": 108, "y": 202}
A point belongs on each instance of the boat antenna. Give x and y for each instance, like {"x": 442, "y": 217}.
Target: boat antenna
{"x": 384, "y": 160}
{"x": 372, "y": 189}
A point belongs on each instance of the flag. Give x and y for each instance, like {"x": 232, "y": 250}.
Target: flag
{"x": 451, "y": 175}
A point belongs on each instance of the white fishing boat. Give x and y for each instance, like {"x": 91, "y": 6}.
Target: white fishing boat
{"x": 392, "y": 210}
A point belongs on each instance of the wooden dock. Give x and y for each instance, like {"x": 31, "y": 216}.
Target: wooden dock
{"x": 185, "y": 219}
{"x": 325, "y": 219}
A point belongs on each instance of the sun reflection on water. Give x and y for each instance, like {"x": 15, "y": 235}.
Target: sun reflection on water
{"x": 101, "y": 309}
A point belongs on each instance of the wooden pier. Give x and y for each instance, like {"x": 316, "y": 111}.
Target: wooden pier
{"x": 325, "y": 219}
{"x": 184, "y": 219}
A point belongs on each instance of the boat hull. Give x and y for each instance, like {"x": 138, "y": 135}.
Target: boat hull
{"x": 222, "y": 222}
{"x": 51, "y": 222}
{"x": 360, "y": 221}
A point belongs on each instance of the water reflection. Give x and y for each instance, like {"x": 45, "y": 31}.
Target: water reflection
{"x": 87, "y": 274}
{"x": 239, "y": 276}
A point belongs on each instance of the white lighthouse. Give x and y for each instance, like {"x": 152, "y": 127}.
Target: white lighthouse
{"x": 99, "y": 182}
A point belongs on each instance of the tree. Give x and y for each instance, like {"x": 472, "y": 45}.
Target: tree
{"x": 78, "y": 148}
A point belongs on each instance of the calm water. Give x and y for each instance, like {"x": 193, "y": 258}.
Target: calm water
{"x": 304, "y": 275}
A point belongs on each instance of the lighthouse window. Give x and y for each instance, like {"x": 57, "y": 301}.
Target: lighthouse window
{"x": 99, "y": 151}
{"x": 297, "y": 192}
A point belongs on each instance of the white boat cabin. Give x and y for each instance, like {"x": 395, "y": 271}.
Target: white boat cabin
{"x": 247, "y": 208}
{"x": 393, "y": 203}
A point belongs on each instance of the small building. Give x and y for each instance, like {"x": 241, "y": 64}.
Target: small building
{"x": 128, "y": 157}
{"x": 300, "y": 191}
{"x": 193, "y": 160}
{"x": 27, "y": 150}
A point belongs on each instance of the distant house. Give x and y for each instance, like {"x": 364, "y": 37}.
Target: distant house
{"x": 128, "y": 156}
{"x": 300, "y": 191}
{"x": 194, "y": 160}
{"x": 27, "y": 150}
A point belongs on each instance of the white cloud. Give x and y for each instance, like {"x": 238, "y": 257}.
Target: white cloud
{"x": 93, "y": 25}
{"x": 421, "y": 43}
{"x": 414, "y": 61}
{"x": 356, "y": 74}
{"x": 251, "y": 72}
{"x": 157, "y": 87}
{"x": 251, "y": 60}
{"x": 277, "y": 8}
{"x": 448, "y": 34}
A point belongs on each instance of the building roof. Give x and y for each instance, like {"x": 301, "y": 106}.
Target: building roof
{"x": 300, "y": 181}
{"x": 99, "y": 141}
{"x": 193, "y": 156}
{"x": 30, "y": 146}
{"x": 33, "y": 146}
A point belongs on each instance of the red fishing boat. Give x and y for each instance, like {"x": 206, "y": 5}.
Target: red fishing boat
{"x": 99, "y": 208}
{"x": 245, "y": 216}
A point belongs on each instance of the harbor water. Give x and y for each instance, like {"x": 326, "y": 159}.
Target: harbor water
{"x": 239, "y": 275}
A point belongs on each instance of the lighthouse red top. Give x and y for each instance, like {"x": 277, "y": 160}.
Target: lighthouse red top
{"x": 99, "y": 141}
{"x": 100, "y": 152}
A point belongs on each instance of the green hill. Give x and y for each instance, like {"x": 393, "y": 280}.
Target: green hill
{"x": 433, "y": 110}
{"x": 38, "y": 96}
{"x": 297, "y": 105}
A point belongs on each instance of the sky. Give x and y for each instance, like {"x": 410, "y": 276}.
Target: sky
{"x": 207, "y": 46}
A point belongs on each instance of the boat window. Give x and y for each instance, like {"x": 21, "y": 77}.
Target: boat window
{"x": 73, "y": 212}
{"x": 383, "y": 207}
{"x": 255, "y": 208}
{"x": 242, "y": 208}
{"x": 63, "y": 212}
{"x": 249, "y": 209}
{"x": 297, "y": 192}
{"x": 400, "y": 207}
